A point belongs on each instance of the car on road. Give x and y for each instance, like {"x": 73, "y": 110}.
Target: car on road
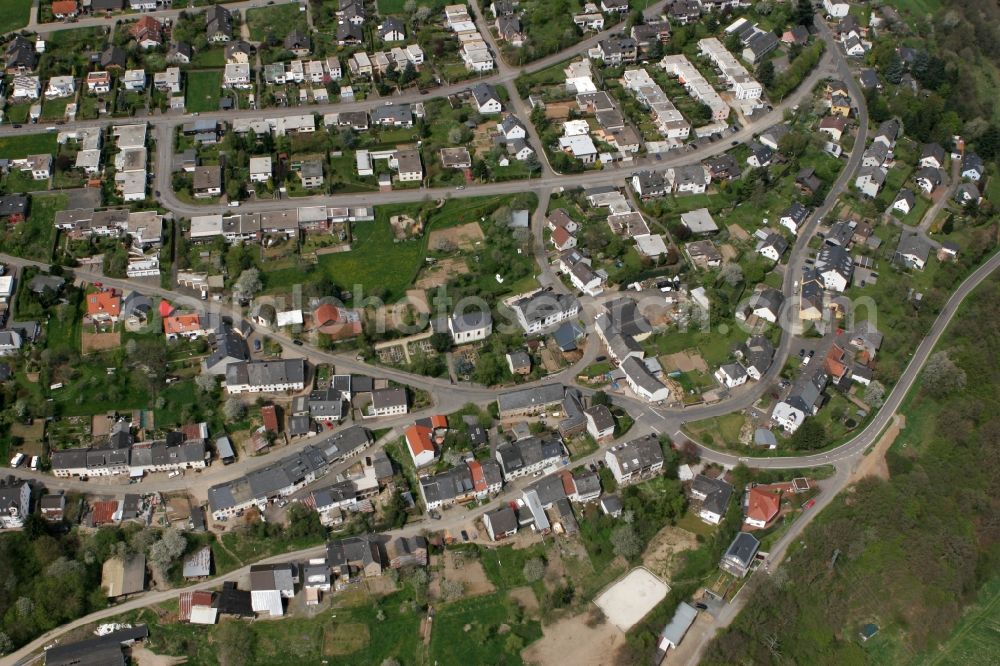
{"x": 734, "y": 143}
{"x": 465, "y": 535}
{"x": 18, "y": 126}
{"x": 297, "y": 343}
{"x": 808, "y": 505}
{"x": 460, "y": 187}
{"x": 601, "y": 359}
{"x": 157, "y": 193}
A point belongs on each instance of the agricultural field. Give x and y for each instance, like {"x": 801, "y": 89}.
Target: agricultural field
{"x": 15, "y": 15}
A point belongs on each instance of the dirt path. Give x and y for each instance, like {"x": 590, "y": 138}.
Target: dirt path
{"x": 143, "y": 657}
{"x": 573, "y": 641}
{"x": 874, "y": 463}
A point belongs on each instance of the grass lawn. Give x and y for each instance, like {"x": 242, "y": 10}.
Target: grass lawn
{"x": 210, "y": 58}
{"x": 34, "y": 238}
{"x": 21, "y": 181}
{"x": 203, "y": 89}
{"x": 248, "y": 548}
{"x": 55, "y": 109}
{"x": 918, "y": 7}
{"x": 722, "y": 430}
{"x": 93, "y": 390}
{"x": 373, "y": 252}
{"x": 276, "y": 19}
{"x": 22, "y": 145}
{"x": 505, "y": 566}
{"x": 178, "y": 395}
{"x": 914, "y": 217}
{"x": 482, "y": 643}
{"x": 375, "y": 249}
{"x": 695, "y": 525}
{"x": 15, "y": 15}
{"x": 390, "y": 6}
{"x": 713, "y": 346}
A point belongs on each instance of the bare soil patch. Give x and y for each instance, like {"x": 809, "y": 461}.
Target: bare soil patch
{"x": 31, "y": 436}
{"x": 738, "y": 232}
{"x": 661, "y": 556}
{"x": 574, "y": 641}
{"x": 525, "y": 596}
{"x": 441, "y": 272}
{"x": 729, "y": 252}
{"x": 468, "y": 571}
{"x": 418, "y": 299}
{"x": 404, "y": 226}
{"x": 462, "y": 237}
{"x": 559, "y": 110}
{"x": 143, "y": 657}
{"x": 94, "y": 342}
{"x": 685, "y": 361}
{"x": 874, "y": 463}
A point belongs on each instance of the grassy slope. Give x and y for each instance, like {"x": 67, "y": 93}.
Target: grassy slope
{"x": 914, "y": 594}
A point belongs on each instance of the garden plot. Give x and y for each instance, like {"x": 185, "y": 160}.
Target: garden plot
{"x": 462, "y": 237}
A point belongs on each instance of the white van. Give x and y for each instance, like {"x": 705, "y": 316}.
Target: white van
{"x": 174, "y": 474}
{"x": 17, "y": 460}
{"x": 34, "y": 463}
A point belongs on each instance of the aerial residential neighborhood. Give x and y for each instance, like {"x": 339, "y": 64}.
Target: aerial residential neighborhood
{"x": 526, "y": 331}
